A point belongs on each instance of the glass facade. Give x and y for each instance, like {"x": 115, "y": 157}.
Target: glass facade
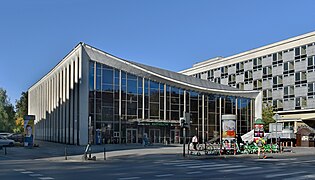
{"x": 124, "y": 107}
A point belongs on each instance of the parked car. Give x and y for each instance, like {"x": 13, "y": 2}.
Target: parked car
{"x": 6, "y": 142}
{"x": 5, "y": 134}
{"x": 16, "y": 137}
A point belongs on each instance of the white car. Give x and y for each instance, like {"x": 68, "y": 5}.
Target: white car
{"x": 6, "y": 142}
{"x": 5, "y": 134}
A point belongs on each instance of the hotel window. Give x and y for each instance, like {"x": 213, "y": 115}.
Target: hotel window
{"x": 240, "y": 67}
{"x": 300, "y": 102}
{"x": 300, "y": 78}
{"x": 210, "y": 75}
{"x": 240, "y": 86}
{"x": 224, "y": 71}
{"x": 278, "y": 104}
{"x": 267, "y": 72}
{"x": 277, "y": 81}
{"x": 257, "y": 84}
{"x": 231, "y": 79}
{"x": 288, "y": 92}
{"x": 257, "y": 63}
{"x": 288, "y": 67}
{"x": 277, "y": 58}
{"x": 311, "y": 62}
{"x": 267, "y": 94}
{"x": 217, "y": 80}
{"x": 300, "y": 52}
{"x": 311, "y": 89}
{"x": 248, "y": 76}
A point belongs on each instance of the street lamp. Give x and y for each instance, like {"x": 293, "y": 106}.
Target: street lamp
{"x": 276, "y": 117}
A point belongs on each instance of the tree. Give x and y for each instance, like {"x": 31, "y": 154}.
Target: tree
{"x": 6, "y": 112}
{"x": 21, "y": 107}
{"x": 267, "y": 116}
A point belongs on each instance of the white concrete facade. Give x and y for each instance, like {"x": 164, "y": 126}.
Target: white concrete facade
{"x": 284, "y": 69}
{"x": 59, "y": 101}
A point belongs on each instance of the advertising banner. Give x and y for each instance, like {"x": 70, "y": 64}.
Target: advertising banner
{"x": 228, "y": 129}
{"x": 28, "y": 133}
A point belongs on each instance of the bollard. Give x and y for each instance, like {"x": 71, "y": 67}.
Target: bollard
{"x": 104, "y": 153}
{"x": 5, "y": 150}
{"x": 66, "y": 158}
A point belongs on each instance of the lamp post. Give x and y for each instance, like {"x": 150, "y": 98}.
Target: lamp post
{"x": 276, "y": 117}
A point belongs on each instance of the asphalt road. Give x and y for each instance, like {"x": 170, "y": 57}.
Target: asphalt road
{"x": 161, "y": 167}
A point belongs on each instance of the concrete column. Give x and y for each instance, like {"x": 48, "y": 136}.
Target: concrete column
{"x": 119, "y": 112}
{"x": 220, "y": 119}
{"x": 164, "y": 101}
{"x": 63, "y": 136}
{"x": 76, "y": 81}
{"x": 71, "y": 102}
{"x": 203, "y": 118}
{"x": 67, "y": 119}
{"x": 83, "y": 96}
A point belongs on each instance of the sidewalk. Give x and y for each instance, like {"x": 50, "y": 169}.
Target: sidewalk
{"x": 56, "y": 152}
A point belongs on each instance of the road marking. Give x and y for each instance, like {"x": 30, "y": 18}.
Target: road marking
{"x": 164, "y": 175}
{"x": 19, "y": 169}
{"x": 309, "y": 176}
{"x": 224, "y": 167}
{"x": 258, "y": 172}
{"x": 45, "y": 178}
{"x": 284, "y": 174}
{"x": 129, "y": 178}
{"x": 209, "y": 165}
{"x": 27, "y": 172}
{"x": 296, "y": 162}
{"x": 193, "y": 165}
{"x": 35, "y": 175}
{"x": 287, "y": 159}
{"x": 241, "y": 169}
{"x": 194, "y": 172}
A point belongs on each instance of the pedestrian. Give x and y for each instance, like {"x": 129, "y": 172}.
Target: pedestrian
{"x": 260, "y": 144}
{"x": 195, "y": 142}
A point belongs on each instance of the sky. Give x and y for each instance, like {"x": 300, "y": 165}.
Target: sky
{"x": 35, "y": 34}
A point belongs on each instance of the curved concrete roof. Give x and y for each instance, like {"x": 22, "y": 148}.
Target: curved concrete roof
{"x": 164, "y": 76}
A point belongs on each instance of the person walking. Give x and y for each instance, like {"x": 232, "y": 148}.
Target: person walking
{"x": 195, "y": 142}
{"x": 260, "y": 144}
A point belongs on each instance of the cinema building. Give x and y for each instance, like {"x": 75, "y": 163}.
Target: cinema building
{"x": 284, "y": 71}
{"x": 93, "y": 96}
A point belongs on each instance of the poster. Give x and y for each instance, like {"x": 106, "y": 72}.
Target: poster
{"x": 28, "y": 133}
{"x": 228, "y": 128}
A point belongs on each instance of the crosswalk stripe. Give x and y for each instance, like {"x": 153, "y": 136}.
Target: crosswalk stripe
{"x": 164, "y": 175}
{"x": 19, "y": 169}
{"x": 194, "y": 172}
{"x": 35, "y": 175}
{"x": 223, "y": 167}
{"x": 284, "y": 174}
{"x": 207, "y": 166}
{"x": 193, "y": 165}
{"x": 27, "y": 172}
{"x": 296, "y": 162}
{"x": 241, "y": 169}
{"x": 309, "y": 176}
{"x": 258, "y": 172}
{"x": 127, "y": 178}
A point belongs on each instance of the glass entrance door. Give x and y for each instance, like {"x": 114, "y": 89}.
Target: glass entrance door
{"x": 154, "y": 135}
{"x": 131, "y": 135}
{"x": 175, "y": 136}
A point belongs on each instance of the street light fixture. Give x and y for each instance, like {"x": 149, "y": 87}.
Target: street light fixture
{"x": 276, "y": 117}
